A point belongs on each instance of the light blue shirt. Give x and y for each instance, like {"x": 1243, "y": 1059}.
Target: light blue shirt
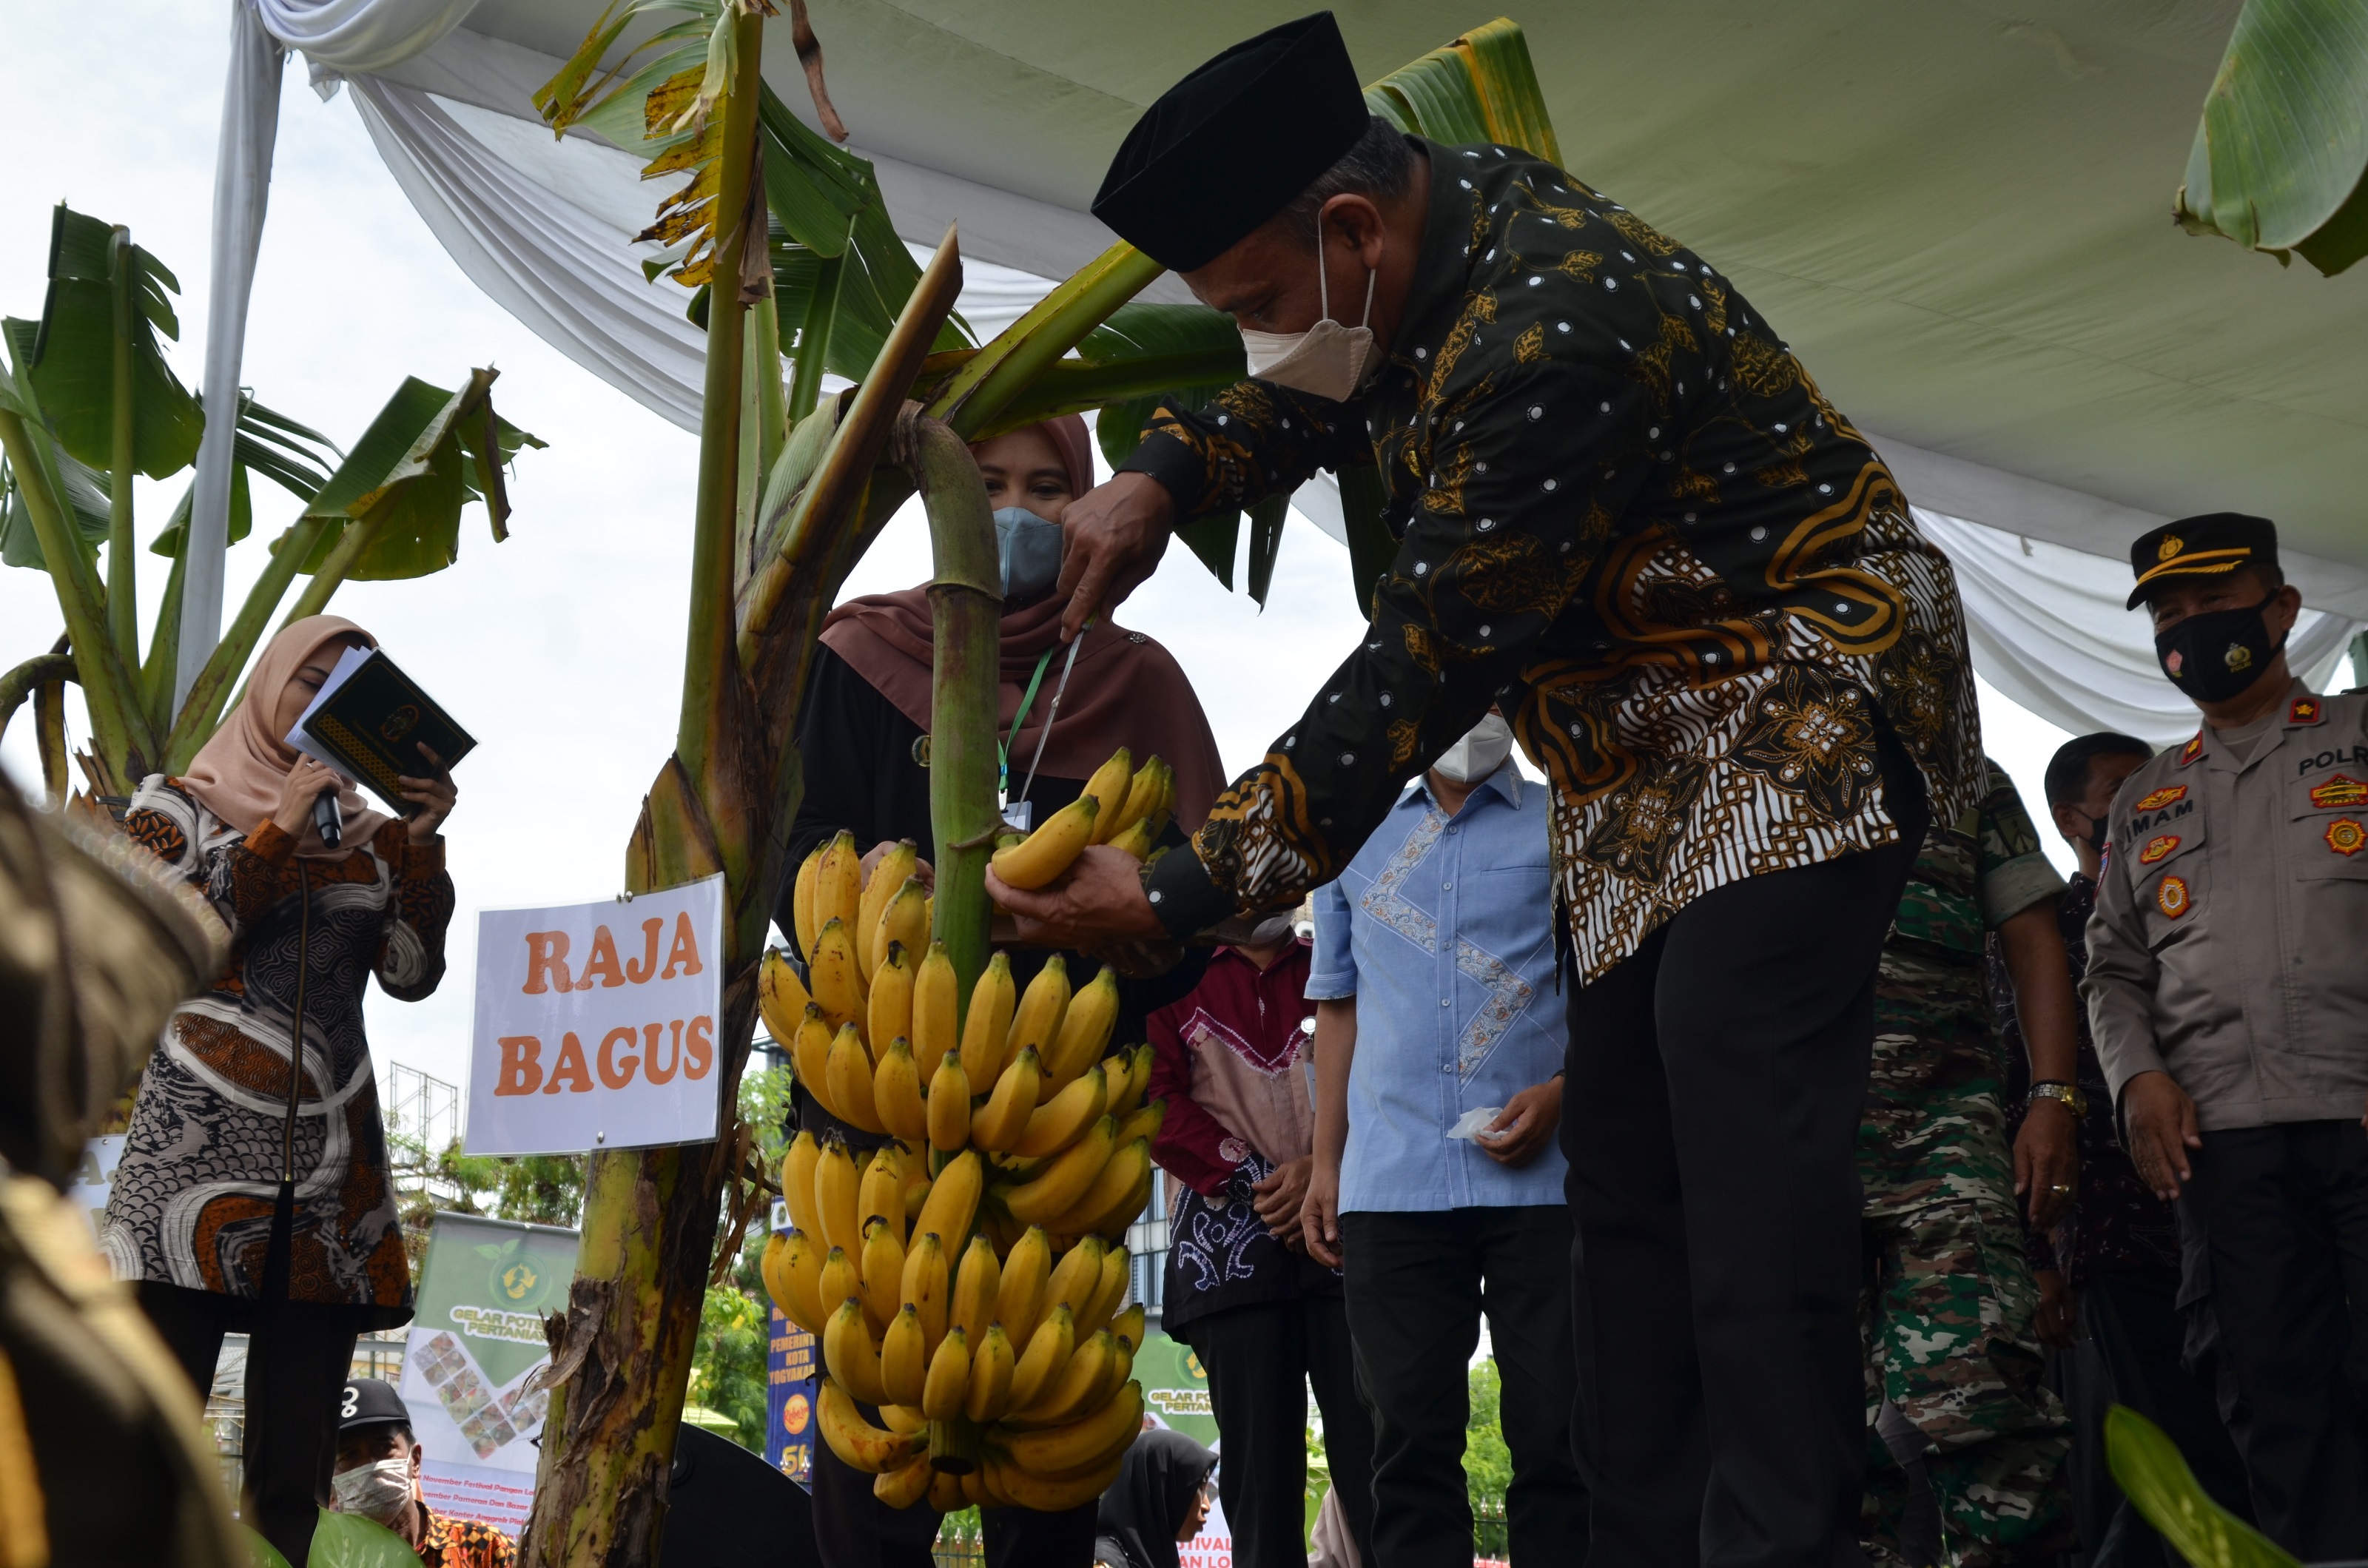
{"x": 1442, "y": 930}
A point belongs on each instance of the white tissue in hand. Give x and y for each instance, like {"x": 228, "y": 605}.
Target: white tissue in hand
{"x": 1469, "y": 1125}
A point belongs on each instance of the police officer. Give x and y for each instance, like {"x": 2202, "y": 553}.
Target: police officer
{"x": 2229, "y": 1003}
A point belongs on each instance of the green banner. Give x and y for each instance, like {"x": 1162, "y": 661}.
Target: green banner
{"x": 1176, "y": 1387}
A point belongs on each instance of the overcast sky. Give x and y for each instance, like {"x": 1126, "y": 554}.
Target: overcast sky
{"x": 560, "y": 650}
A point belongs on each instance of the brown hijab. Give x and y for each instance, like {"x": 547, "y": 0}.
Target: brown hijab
{"x": 237, "y": 775}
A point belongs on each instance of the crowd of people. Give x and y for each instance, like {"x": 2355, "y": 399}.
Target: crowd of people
{"x": 1823, "y": 1163}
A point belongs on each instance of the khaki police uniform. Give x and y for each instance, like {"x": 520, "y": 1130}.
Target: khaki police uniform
{"x": 2229, "y": 949}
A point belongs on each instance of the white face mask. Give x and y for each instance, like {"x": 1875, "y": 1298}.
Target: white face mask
{"x": 1479, "y": 753}
{"x": 1327, "y": 360}
{"x": 374, "y": 1490}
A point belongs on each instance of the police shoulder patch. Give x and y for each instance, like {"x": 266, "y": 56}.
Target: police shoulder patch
{"x": 2160, "y": 844}
{"x": 2345, "y": 837}
{"x": 2305, "y": 711}
{"x": 2169, "y": 794}
{"x": 2192, "y": 750}
{"x": 2171, "y": 898}
{"x": 2338, "y": 792}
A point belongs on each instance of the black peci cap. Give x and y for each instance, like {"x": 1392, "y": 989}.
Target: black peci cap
{"x": 370, "y": 1402}
{"x": 2202, "y": 546}
{"x": 1230, "y": 145}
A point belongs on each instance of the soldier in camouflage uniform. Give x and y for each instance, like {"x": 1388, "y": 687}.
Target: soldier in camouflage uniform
{"x": 1948, "y": 1298}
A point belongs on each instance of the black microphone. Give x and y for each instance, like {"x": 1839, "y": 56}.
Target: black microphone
{"x": 327, "y": 819}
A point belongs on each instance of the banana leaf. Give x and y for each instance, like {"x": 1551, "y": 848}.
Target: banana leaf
{"x": 86, "y": 493}
{"x": 2147, "y": 1467}
{"x": 409, "y": 476}
{"x": 1481, "y": 87}
{"x": 2278, "y": 159}
{"x": 348, "y": 1540}
{"x": 295, "y": 456}
{"x": 72, "y": 357}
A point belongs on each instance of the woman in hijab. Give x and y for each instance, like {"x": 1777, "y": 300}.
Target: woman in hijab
{"x": 254, "y": 1197}
{"x": 1161, "y": 1497}
{"x": 864, "y": 736}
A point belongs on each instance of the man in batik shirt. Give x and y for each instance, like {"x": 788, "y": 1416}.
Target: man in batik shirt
{"x": 1623, "y": 508}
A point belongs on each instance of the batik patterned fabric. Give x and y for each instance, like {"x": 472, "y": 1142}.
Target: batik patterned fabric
{"x": 464, "y": 1543}
{"x": 1623, "y": 504}
{"x": 192, "y": 1199}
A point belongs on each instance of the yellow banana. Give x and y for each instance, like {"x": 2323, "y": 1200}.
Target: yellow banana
{"x": 923, "y": 1288}
{"x": 1040, "y": 1495}
{"x": 810, "y": 1057}
{"x": 793, "y": 1278}
{"x": 1114, "y": 1376}
{"x": 1063, "y": 1400}
{"x": 836, "y": 984}
{"x": 1050, "y": 849}
{"x": 1063, "y": 1179}
{"x": 1127, "y": 1327}
{"x": 905, "y": 1419}
{"x": 953, "y": 1200}
{"x": 1087, "y": 1442}
{"x": 838, "y": 883}
{"x": 1109, "y": 787}
{"x": 903, "y": 1488}
{"x": 852, "y": 1358}
{"x": 1143, "y": 1121}
{"x": 978, "y": 1495}
{"x": 863, "y": 1446}
{"x": 842, "y": 1280}
{"x": 1151, "y": 789}
{"x": 1063, "y": 1119}
{"x": 1137, "y": 838}
{"x": 990, "y": 1376}
{"x": 935, "y": 997}
{"x": 946, "y": 1491}
{"x": 802, "y": 904}
{"x": 836, "y": 1192}
{"x": 1019, "y": 1299}
{"x": 1084, "y": 1031}
{"x": 884, "y": 1272}
{"x": 917, "y": 1184}
{"x": 1110, "y": 1290}
{"x": 905, "y": 919}
{"x": 888, "y": 1007}
{"x": 987, "y": 1026}
{"x": 1108, "y": 1198}
{"x": 1049, "y": 1348}
{"x": 881, "y": 1191}
{"x": 897, "y": 1094}
{"x": 886, "y": 878}
{"x": 948, "y": 1106}
{"x": 797, "y": 1183}
{"x": 976, "y": 1286}
{"x": 949, "y": 1379}
{"x": 780, "y": 996}
{"x": 997, "y": 1125}
{"x": 904, "y": 1358}
{"x": 848, "y": 1073}
{"x": 1037, "y": 1019}
{"x": 1138, "y": 1078}
{"x": 1074, "y": 1282}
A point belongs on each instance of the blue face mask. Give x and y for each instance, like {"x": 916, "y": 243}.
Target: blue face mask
{"x": 1028, "y": 549}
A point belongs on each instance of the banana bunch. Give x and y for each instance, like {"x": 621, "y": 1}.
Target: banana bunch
{"x": 964, "y": 1275}
{"x": 1127, "y": 809}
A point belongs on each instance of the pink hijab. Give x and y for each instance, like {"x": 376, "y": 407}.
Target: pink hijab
{"x": 237, "y": 775}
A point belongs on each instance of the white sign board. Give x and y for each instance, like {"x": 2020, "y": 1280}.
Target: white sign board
{"x": 596, "y": 1024}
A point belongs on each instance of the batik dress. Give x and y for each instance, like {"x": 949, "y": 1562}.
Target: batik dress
{"x": 193, "y": 1197}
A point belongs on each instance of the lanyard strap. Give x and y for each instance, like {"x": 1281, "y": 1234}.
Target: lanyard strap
{"x": 1027, "y": 700}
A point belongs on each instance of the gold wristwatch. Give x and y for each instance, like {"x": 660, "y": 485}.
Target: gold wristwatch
{"x": 2074, "y": 1100}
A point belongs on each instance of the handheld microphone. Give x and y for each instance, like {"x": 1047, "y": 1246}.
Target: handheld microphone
{"x": 327, "y": 819}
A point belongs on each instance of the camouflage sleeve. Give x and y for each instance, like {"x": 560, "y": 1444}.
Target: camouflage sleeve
{"x": 2014, "y": 872}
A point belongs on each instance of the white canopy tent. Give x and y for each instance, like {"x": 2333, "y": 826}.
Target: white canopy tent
{"x": 1990, "y": 385}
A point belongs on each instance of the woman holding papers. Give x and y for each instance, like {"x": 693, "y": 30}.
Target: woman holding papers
{"x": 254, "y": 1195}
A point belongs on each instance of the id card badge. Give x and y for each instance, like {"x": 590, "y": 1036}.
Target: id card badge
{"x": 1019, "y": 816}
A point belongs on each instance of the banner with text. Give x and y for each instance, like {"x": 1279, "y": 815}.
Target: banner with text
{"x": 476, "y": 1341}
{"x": 791, "y": 1355}
{"x": 596, "y": 1024}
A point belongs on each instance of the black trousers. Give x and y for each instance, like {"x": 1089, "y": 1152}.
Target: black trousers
{"x": 1711, "y": 1113}
{"x": 2130, "y": 1355}
{"x": 2284, "y": 1210}
{"x": 299, "y": 1358}
{"x": 1261, "y": 1360}
{"x": 855, "y": 1529}
{"x": 1417, "y": 1285}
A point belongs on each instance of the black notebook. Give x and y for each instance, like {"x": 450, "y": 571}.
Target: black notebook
{"x": 370, "y": 721}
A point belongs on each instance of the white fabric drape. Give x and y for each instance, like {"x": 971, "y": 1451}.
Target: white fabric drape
{"x": 349, "y": 38}
{"x": 2048, "y": 629}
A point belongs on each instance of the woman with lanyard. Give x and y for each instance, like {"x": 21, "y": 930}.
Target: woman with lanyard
{"x": 254, "y": 1195}
{"x": 863, "y": 738}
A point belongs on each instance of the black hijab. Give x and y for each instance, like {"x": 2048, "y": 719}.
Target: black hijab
{"x": 1145, "y": 1506}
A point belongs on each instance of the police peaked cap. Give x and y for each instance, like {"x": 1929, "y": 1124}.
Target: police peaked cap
{"x": 1233, "y": 144}
{"x": 2205, "y": 546}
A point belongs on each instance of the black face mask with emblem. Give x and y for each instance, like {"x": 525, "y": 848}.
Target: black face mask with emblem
{"x": 2217, "y": 655}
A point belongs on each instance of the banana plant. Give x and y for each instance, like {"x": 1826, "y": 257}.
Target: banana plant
{"x": 2148, "y": 1466}
{"x": 2279, "y": 155}
{"x": 793, "y": 270}
{"x": 87, "y": 402}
